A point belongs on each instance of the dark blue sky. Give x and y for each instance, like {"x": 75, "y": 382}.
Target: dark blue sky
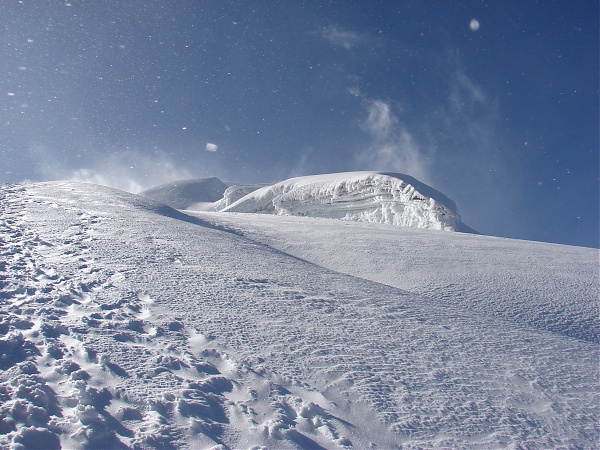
{"x": 504, "y": 120}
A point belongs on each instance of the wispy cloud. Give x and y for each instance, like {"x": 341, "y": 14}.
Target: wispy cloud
{"x": 450, "y": 138}
{"x": 431, "y": 146}
{"x": 303, "y": 164}
{"x": 472, "y": 158}
{"x": 342, "y": 38}
{"x": 465, "y": 93}
{"x": 394, "y": 147}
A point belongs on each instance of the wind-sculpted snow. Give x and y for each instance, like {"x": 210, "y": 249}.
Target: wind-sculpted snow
{"x": 127, "y": 324}
{"x": 552, "y": 287}
{"x": 186, "y": 194}
{"x": 389, "y": 198}
{"x": 233, "y": 193}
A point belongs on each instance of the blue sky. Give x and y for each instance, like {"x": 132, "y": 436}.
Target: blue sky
{"x": 504, "y": 119}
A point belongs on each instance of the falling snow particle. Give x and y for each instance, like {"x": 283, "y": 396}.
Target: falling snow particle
{"x": 474, "y": 25}
{"x": 211, "y": 147}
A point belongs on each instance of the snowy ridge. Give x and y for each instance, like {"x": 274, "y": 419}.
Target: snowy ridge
{"x": 127, "y": 324}
{"x": 379, "y": 197}
{"x": 376, "y": 197}
{"x": 233, "y": 193}
{"x": 187, "y": 194}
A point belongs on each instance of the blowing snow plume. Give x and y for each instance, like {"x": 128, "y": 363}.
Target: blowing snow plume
{"x": 130, "y": 170}
{"x": 393, "y": 145}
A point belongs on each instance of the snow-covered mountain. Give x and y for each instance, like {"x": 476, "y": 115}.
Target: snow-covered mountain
{"x": 378, "y": 197}
{"x": 125, "y": 323}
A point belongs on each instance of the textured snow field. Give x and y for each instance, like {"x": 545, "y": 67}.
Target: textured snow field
{"x": 553, "y": 287}
{"x": 124, "y": 323}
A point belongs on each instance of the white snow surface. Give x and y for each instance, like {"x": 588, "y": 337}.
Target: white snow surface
{"x": 188, "y": 194}
{"x": 127, "y": 324}
{"x": 379, "y": 197}
{"x": 233, "y": 193}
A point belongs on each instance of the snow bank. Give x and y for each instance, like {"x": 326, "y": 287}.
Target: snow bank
{"x": 390, "y": 198}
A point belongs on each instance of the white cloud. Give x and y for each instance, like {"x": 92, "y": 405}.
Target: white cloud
{"x": 303, "y": 163}
{"x": 342, "y": 38}
{"x": 211, "y": 147}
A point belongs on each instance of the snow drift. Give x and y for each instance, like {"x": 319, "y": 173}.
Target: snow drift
{"x": 127, "y": 324}
{"x": 390, "y": 198}
{"x": 379, "y": 197}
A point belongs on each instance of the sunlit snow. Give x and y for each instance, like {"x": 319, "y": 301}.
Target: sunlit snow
{"x": 125, "y": 323}
{"x": 376, "y": 197}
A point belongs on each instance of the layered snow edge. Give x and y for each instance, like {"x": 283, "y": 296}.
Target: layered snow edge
{"x": 376, "y": 197}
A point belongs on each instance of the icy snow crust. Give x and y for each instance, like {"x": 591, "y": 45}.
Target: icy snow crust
{"x": 127, "y": 324}
{"x": 390, "y": 198}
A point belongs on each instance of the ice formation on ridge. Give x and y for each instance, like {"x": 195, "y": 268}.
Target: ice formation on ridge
{"x": 379, "y": 197}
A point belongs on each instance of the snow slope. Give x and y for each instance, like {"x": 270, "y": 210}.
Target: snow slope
{"x": 127, "y": 324}
{"x": 531, "y": 283}
{"x": 379, "y": 197}
{"x": 187, "y": 194}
